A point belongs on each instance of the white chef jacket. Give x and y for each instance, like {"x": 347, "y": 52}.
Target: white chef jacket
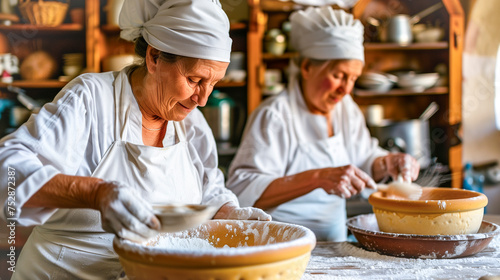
{"x": 270, "y": 149}
{"x": 71, "y": 134}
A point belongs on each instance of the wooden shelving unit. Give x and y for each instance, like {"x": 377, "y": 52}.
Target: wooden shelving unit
{"x": 35, "y": 84}
{"x": 66, "y": 27}
{"x": 398, "y": 103}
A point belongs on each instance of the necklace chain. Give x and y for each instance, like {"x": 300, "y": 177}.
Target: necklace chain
{"x": 152, "y": 129}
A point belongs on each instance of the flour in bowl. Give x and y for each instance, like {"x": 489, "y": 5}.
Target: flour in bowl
{"x": 176, "y": 243}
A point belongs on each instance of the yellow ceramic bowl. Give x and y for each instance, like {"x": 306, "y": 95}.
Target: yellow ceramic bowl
{"x": 247, "y": 250}
{"x": 440, "y": 211}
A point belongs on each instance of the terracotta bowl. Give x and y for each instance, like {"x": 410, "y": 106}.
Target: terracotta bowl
{"x": 247, "y": 250}
{"x": 440, "y": 211}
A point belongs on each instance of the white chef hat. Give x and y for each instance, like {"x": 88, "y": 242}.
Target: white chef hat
{"x": 324, "y": 33}
{"x": 192, "y": 28}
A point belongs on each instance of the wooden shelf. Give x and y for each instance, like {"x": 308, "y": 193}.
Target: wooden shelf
{"x": 414, "y": 46}
{"x": 371, "y": 47}
{"x": 230, "y": 84}
{"x": 35, "y": 84}
{"x": 280, "y": 6}
{"x": 287, "y": 55}
{"x": 400, "y": 92}
{"x": 238, "y": 26}
{"x": 110, "y": 29}
{"x": 66, "y": 27}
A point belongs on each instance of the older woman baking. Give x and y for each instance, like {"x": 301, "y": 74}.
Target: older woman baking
{"x": 306, "y": 150}
{"x": 112, "y": 144}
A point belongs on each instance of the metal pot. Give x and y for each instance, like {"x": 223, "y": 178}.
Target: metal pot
{"x": 409, "y": 136}
{"x": 223, "y": 117}
{"x": 398, "y": 28}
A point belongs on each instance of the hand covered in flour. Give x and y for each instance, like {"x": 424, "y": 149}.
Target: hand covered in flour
{"x": 400, "y": 163}
{"x": 125, "y": 213}
{"x": 344, "y": 181}
{"x": 230, "y": 211}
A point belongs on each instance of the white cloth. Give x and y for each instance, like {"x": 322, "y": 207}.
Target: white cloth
{"x": 497, "y": 90}
{"x": 324, "y": 33}
{"x": 193, "y": 28}
{"x": 71, "y": 135}
{"x": 278, "y": 142}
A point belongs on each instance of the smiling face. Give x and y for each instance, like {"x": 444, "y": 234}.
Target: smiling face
{"x": 325, "y": 84}
{"x": 177, "y": 88}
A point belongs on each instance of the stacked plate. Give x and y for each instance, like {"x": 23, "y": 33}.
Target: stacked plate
{"x": 378, "y": 82}
{"x": 72, "y": 64}
{"x": 416, "y": 81}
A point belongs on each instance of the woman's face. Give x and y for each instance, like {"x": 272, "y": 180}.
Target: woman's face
{"x": 324, "y": 85}
{"x": 182, "y": 86}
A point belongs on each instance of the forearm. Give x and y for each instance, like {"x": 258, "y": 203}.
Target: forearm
{"x": 65, "y": 191}
{"x": 224, "y": 211}
{"x": 379, "y": 169}
{"x": 287, "y": 188}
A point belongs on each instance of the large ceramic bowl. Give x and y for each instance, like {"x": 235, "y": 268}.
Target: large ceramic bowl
{"x": 440, "y": 211}
{"x": 247, "y": 250}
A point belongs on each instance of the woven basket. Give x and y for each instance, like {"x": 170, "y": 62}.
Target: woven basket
{"x": 47, "y": 13}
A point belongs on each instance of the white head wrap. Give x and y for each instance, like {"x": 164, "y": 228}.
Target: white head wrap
{"x": 324, "y": 34}
{"x": 192, "y": 28}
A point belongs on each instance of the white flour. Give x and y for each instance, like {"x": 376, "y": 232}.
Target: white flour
{"x": 175, "y": 243}
{"x": 351, "y": 262}
{"x": 195, "y": 241}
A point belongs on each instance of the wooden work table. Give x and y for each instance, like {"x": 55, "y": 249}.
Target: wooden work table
{"x": 346, "y": 260}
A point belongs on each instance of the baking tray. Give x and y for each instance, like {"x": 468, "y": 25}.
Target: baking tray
{"x": 366, "y": 231}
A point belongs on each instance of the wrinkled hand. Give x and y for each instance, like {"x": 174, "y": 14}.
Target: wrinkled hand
{"x": 345, "y": 181}
{"x": 230, "y": 211}
{"x": 125, "y": 213}
{"x": 404, "y": 164}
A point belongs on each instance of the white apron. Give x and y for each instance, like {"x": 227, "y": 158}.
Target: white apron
{"x": 72, "y": 244}
{"x": 323, "y": 213}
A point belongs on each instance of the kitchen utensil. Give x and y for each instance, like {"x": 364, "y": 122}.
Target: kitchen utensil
{"x": 39, "y": 65}
{"x": 378, "y": 82}
{"x": 429, "y": 35}
{"x": 374, "y": 114}
{"x": 221, "y": 113}
{"x": 371, "y": 238}
{"x": 275, "y": 42}
{"x": 113, "y": 9}
{"x": 117, "y": 62}
{"x": 398, "y": 28}
{"x": 407, "y": 136}
{"x": 9, "y": 63}
{"x": 400, "y": 188}
{"x": 429, "y": 111}
{"x": 175, "y": 217}
{"x": 439, "y": 211}
{"x": 416, "y": 81}
{"x": 244, "y": 249}
{"x": 39, "y": 12}
{"x": 32, "y": 105}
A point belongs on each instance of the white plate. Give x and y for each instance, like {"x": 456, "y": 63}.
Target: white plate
{"x": 177, "y": 217}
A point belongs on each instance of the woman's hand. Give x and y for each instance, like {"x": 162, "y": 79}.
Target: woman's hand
{"x": 344, "y": 181}
{"x": 394, "y": 164}
{"x": 229, "y": 211}
{"x": 125, "y": 213}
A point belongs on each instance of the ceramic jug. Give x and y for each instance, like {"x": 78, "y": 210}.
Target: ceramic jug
{"x": 113, "y": 9}
{"x": 223, "y": 117}
{"x": 9, "y": 63}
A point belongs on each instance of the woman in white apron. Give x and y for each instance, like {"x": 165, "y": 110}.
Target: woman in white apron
{"x": 91, "y": 163}
{"x": 308, "y": 149}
